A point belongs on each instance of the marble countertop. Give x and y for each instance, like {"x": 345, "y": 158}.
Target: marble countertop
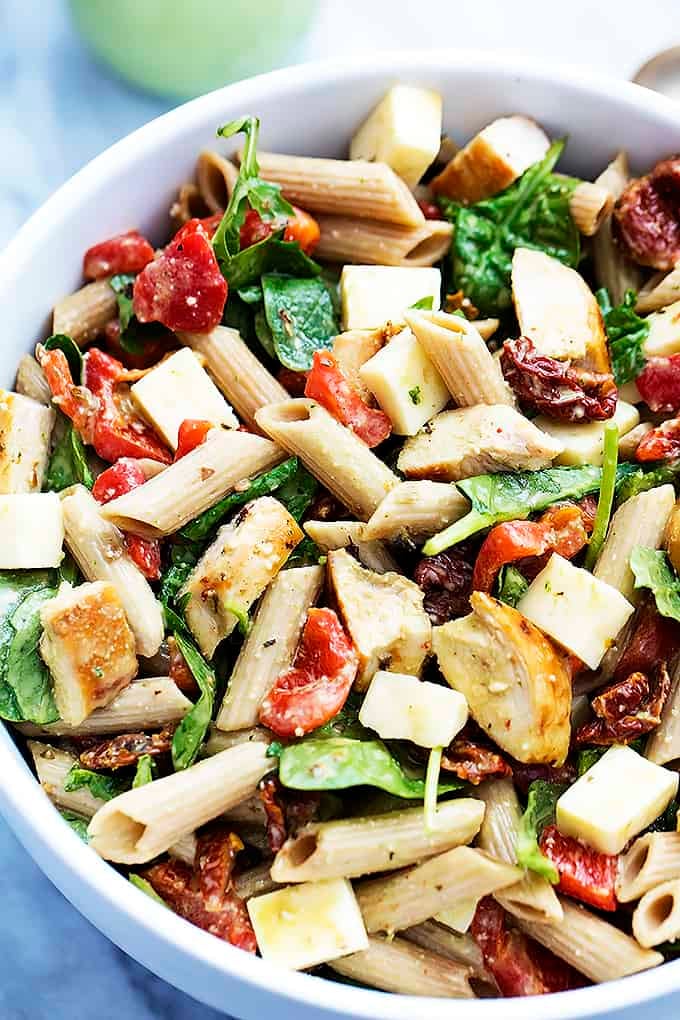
{"x": 58, "y": 109}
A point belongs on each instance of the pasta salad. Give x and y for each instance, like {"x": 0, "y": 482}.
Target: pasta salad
{"x": 340, "y": 558}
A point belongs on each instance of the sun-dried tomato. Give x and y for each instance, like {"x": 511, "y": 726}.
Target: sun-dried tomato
{"x": 126, "y": 749}
{"x": 585, "y": 874}
{"x": 646, "y": 219}
{"x": 525, "y": 774}
{"x": 654, "y": 638}
{"x": 659, "y": 383}
{"x": 216, "y": 850}
{"x": 662, "y": 443}
{"x": 286, "y": 811}
{"x": 178, "y": 670}
{"x": 124, "y": 476}
{"x": 473, "y": 763}
{"x": 124, "y": 253}
{"x": 292, "y": 381}
{"x": 327, "y": 384}
{"x": 555, "y": 388}
{"x": 446, "y": 580}
{"x": 627, "y": 709}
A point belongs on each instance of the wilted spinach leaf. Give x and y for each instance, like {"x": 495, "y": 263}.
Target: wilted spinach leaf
{"x": 78, "y": 824}
{"x": 512, "y": 585}
{"x": 540, "y": 811}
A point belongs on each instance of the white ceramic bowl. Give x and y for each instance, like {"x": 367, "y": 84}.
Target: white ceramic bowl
{"x": 309, "y": 110}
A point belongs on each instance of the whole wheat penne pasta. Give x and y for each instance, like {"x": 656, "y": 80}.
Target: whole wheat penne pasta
{"x": 142, "y": 823}
{"x": 412, "y": 896}
{"x": 629, "y": 443}
{"x": 656, "y": 918}
{"x": 663, "y": 745}
{"x": 653, "y": 859}
{"x": 486, "y": 327}
{"x": 471, "y": 374}
{"x": 188, "y": 204}
{"x": 99, "y": 550}
{"x": 612, "y": 269}
{"x": 592, "y": 946}
{"x": 451, "y": 945}
{"x": 395, "y": 965}
{"x": 219, "y": 740}
{"x": 25, "y": 431}
{"x": 360, "y": 846}
{"x": 354, "y": 348}
{"x": 660, "y": 290}
{"x": 185, "y": 848}
{"x": 416, "y": 510}
{"x": 533, "y": 897}
{"x": 240, "y": 375}
{"x": 270, "y": 646}
{"x": 83, "y": 315}
{"x": 342, "y": 187}
{"x": 590, "y": 205}
{"x": 215, "y": 177}
{"x": 331, "y": 452}
{"x": 641, "y": 520}
{"x": 370, "y": 242}
{"x": 52, "y": 766}
{"x": 250, "y": 811}
{"x": 340, "y": 534}
{"x": 255, "y": 882}
{"x": 166, "y": 503}
{"x": 31, "y": 381}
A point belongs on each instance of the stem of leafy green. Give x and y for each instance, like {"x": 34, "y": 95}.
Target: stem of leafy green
{"x": 145, "y": 771}
{"x": 431, "y": 788}
{"x": 605, "y": 501}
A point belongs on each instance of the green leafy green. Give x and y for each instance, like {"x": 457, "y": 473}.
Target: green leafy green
{"x": 414, "y": 395}
{"x": 190, "y": 733}
{"x": 122, "y": 285}
{"x": 426, "y": 303}
{"x": 272, "y": 255}
{"x": 64, "y": 343}
{"x": 68, "y": 462}
{"x": 298, "y": 492}
{"x": 184, "y": 555}
{"x": 540, "y": 811}
{"x": 301, "y": 317}
{"x": 264, "y": 333}
{"x": 512, "y": 585}
{"x": 587, "y": 757}
{"x": 652, "y": 570}
{"x": 69, "y": 570}
{"x": 605, "y": 501}
{"x": 134, "y": 335}
{"x": 78, "y": 824}
{"x": 25, "y": 683}
{"x": 644, "y": 479}
{"x": 306, "y": 554}
{"x": 667, "y": 820}
{"x": 145, "y": 771}
{"x": 626, "y": 332}
{"x": 99, "y": 784}
{"x": 337, "y": 763}
{"x": 434, "y": 762}
{"x": 146, "y": 887}
{"x": 532, "y": 213}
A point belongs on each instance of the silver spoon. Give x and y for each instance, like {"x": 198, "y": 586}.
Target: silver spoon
{"x": 662, "y": 73}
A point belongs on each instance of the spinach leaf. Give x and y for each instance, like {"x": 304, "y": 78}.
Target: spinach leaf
{"x": 146, "y": 887}
{"x": 301, "y": 317}
{"x": 587, "y": 757}
{"x": 512, "y": 585}
{"x": 184, "y": 555}
{"x": 145, "y": 771}
{"x": 513, "y": 496}
{"x": 298, "y": 492}
{"x": 78, "y": 824}
{"x": 337, "y": 763}
{"x": 191, "y": 731}
{"x": 100, "y": 785}
{"x": 540, "y": 811}
{"x": 122, "y": 285}
{"x": 626, "y": 332}
{"x": 610, "y": 458}
{"x": 264, "y": 333}
{"x": 25, "y": 683}
{"x": 532, "y": 213}
{"x": 69, "y": 570}
{"x": 61, "y": 342}
{"x": 202, "y": 526}
{"x": 668, "y": 820}
{"x": 306, "y": 554}
{"x": 652, "y": 570}
{"x": 426, "y": 303}
{"x": 133, "y": 333}
{"x": 271, "y": 255}
{"x": 68, "y": 462}
{"x": 642, "y": 480}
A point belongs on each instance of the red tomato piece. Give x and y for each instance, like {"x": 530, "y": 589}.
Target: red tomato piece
{"x": 152, "y": 352}
{"x": 254, "y": 229}
{"x": 124, "y": 476}
{"x": 662, "y": 443}
{"x": 429, "y": 210}
{"x": 292, "y": 381}
{"x": 206, "y": 226}
{"x": 326, "y": 384}
{"x": 659, "y": 383}
{"x": 304, "y": 229}
{"x": 183, "y": 288}
{"x": 124, "y": 253}
{"x": 192, "y": 432}
{"x": 585, "y": 874}
{"x": 315, "y": 688}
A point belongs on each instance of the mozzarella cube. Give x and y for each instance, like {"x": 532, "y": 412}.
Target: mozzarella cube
{"x": 629, "y": 393}
{"x": 25, "y": 429}
{"x": 459, "y": 916}
{"x": 583, "y": 442}
{"x": 663, "y": 338}
{"x": 401, "y": 707}
{"x": 374, "y": 295}
{"x": 404, "y": 131}
{"x": 304, "y": 925}
{"x": 177, "y": 389}
{"x": 618, "y": 797}
{"x": 579, "y": 611}
{"x": 405, "y": 383}
{"x": 31, "y": 531}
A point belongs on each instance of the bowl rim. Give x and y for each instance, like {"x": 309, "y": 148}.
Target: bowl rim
{"x": 20, "y": 795}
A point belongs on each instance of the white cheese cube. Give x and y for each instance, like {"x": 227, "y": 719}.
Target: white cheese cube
{"x": 304, "y": 925}
{"x": 663, "y": 338}
{"x": 31, "y": 531}
{"x": 405, "y": 383}
{"x": 401, "y": 707}
{"x": 404, "y": 131}
{"x": 177, "y": 389}
{"x": 374, "y": 295}
{"x": 583, "y": 442}
{"x": 630, "y": 393}
{"x": 578, "y": 610}
{"x": 616, "y": 798}
{"x": 459, "y": 916}
{"x": 25, "y": 429}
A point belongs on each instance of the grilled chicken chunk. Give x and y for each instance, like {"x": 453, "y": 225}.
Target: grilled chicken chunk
{"x": 516, "y": 684}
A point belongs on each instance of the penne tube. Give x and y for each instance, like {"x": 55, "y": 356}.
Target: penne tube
{"x": 329, "y": 535}
{"x": 629, "y": 443}
{"x": 653, "y": 859}
{"x": 238, "y": 373}
{"x": 185, "y": 849}
{"x": 661, "y": 290}
{"x": 455, "y": 347}
{"x": 370, "y": 242}
{"x": 194, "y": 483}
{"x": 410, "y": 897}
{"x": 641, "y": 520}
{"x": 486, "y": 327}
{"x": 188, "y": 204}
{"x": 532, "y": 898}
{"x": 360, "y": 846}
{"x": 52, "y": 766}
{"x": 143, "y": 705}
{"x": 83, "y": 315}
{"x": 416, "y": 510}
{"x": 31, "y": 381}
{"x": 25, "y": 430}
{"x": 590, "y": 205}
{"x": 342, "y": 187}
{"x": 656, "y": 918}
{"x": 99, "y": 550}
{"x": 461, "y": 948}
{"x": 215, "y": 179}
{"x": 219, "y": 740}
{"x": 663, "y": 745}
{"x": 592, "y": 946}
{"x": 270, "y": 646}
{"x": 255, "y": 882}
{"x": 142, "y": 823}
{"x": 395, "y": 965}
{"x": 612, "y": 269}
{"x": 331, "y": 452}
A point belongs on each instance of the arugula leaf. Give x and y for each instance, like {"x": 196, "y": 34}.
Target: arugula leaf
{"x": 191, "y": 731}
{"x": 145, "y": 771}
{"x": 64, "y": 343}
{"x": 642, "y": 480}
{"x": 512, "y": 585}
{"x": 301, "y": 317}
{"x": 513, "y": 496}
{"x": 102, "y": 786}
{"x": 25, "y": 683}
{"x": 540, "y": 811}
{"x": 626, "y": 332}
{"x": 532, "y": 213}
{"x": 78, "y": 824}
{"x": 337, "y": 763}
{"x": 652, "y": 570}
{"x": 605, "y": 501}
{"x": 68, "y": 462}
{"x": 146, "y": 887}
{"x": 271, "y": 255}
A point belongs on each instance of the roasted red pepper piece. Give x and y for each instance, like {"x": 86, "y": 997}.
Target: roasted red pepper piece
{"x": 662, "y": 443}
{"x": 555, "y": 388}
{"x": 627, "y": 709}
{"x": 315, "y": 688}
{"x": 124, "y": 476}
{"x": 192, "y": 433}
{"x": 206, "y": 226}
{"x": 327, "y": 384}
{"x": 646, "y": 219}
{"x": 301, "y": 227}
{"x": 585, "y": 874}
{"x": 124, "y": 253}
{"x": 659, "y": 383}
